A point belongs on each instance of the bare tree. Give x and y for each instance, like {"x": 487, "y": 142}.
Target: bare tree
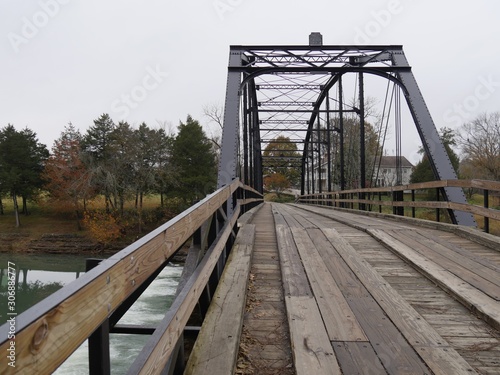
{"x": 480, "y": 142}
{"x": 215, "y": 112}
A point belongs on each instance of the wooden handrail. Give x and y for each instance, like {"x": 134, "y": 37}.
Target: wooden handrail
{"x": 341, "y": 197}
{"x": 474, "y": 184}
{"x": 49, "y": 332}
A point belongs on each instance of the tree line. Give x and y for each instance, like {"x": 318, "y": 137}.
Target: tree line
{"x": 473, "y": 149}
{"x": 117, "y": 161}
{"x": 478, "y": 142}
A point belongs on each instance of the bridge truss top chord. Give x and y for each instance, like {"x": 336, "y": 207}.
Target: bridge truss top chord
{"x": 297, "y": 92}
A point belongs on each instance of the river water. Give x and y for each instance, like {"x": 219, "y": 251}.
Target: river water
{"x": 40, "y": 275}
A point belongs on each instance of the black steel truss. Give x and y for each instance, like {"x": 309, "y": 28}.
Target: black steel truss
{"x": 285, "y": 90}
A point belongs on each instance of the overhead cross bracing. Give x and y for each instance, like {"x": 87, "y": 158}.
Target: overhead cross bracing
{"x": 298, "y": 92}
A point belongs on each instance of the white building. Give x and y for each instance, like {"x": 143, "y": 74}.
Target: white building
{"x": 387, "y": 174}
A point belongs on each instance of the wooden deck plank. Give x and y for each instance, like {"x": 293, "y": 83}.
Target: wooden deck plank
{"x": 294, "y": 277}
{"x": 483, "y": 278}
{"x": 395, "y": 353}
{"x": 467, "y": 250}
{"x": 412, "y": 326}
{"x": 435, "y": 305}
{"x": 216, "y": 348}
{"x": 474, "y": 299}
{"x": 397, "y": 356}
{"x": 340, "y": 321}
{"x": 358, "y": 358}
{"x": 312, "y": 351}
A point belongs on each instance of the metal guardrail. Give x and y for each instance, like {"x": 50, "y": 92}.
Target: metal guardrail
{"x": 91, "y": 306}
{"x": 363, "y": 198}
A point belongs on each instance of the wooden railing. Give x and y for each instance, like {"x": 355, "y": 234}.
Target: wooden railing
{"x": 394, "y": 196}
{"x": 91, "y": 306}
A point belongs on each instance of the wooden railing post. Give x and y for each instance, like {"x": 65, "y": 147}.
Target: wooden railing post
{"x": 486, "y": 205}
{"x": 438, "y": 216}
{"x": 398, "y": 196}
{"x": 413, "y": 200}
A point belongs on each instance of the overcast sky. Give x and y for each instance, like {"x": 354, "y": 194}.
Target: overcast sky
{"x": 71, "y": 60}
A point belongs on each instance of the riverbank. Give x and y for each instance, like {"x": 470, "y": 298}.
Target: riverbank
{"x": 65, "y": 243}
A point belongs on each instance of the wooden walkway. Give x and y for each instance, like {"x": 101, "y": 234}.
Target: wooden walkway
{"x": 362, "y": 295}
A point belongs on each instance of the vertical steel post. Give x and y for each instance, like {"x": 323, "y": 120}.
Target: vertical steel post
{"x": 246, "y": 116}
{"x": 362, "y": 153}
{"x": 328, "y": 143}
{"x": 341, "y": 137}
{"x": 486, "y": 205}
{"x": 320, "y": 174}
{"x": 312, "y": 167}
{"x": 413, "y": 200}
{"x": 99, "y": 358}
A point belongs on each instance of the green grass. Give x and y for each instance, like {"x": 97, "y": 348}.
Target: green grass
{"x": 430, "y": 213}
{"x": 43, "y": 219}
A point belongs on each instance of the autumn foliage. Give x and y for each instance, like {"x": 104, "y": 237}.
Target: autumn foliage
{"x": 276, "y": 182}
{"x": 103, "y": 227}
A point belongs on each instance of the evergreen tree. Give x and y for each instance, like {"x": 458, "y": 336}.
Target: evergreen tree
{"x": 123, "y": 145}
{"x": 194, "y": 161}
{"x": 423, "y": 171}
{"x": 100, "y": 157}
{"x": 22, "y": 160}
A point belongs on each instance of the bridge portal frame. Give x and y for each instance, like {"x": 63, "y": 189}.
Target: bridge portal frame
{"x": 247, "y": 63}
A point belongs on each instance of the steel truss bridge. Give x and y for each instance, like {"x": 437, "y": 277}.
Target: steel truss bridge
{"x": 276, "y": 90}
{"x": 350, "y": 292}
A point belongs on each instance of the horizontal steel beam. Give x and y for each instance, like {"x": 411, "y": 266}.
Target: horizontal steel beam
{"x": 284, "y": 104}
{"x": 289, "y": 87}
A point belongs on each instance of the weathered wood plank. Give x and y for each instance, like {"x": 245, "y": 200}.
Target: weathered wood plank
{"x": 358, "y": 358}
{"x": 485, "y": 306}
{"x": 340, "y": 321}
{"x": 395, "y": 353}
{"x": 216, "y": 348}
{"x": 457, "y": 246}
{"x": 479, "y": 276}
{"x": 294, "y": 277}
{"x": 412, "y": 326}
{"x": 312, "y": 351}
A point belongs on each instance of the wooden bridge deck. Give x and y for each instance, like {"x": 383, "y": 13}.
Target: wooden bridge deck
{"x": 333, "y": 292}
